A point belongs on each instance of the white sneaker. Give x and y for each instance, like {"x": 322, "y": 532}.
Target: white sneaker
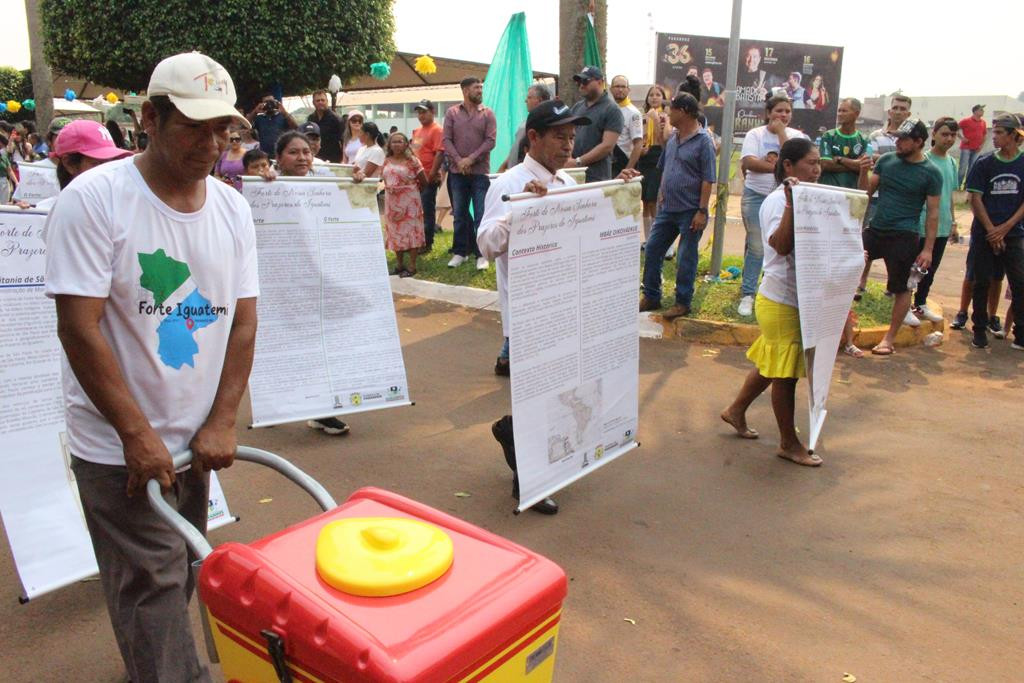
{"x": 929, "y": 315}
{"x": 910, "y": 320}
{"x": 671, "y": 253}
{"x": 482, "y": 263}
{"x": 746, "y": 307}
{"x": 456, "y": 261}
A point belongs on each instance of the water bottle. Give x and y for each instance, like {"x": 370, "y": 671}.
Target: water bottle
{"x": 870, "y": 150}
{"x": 917, "y": 273}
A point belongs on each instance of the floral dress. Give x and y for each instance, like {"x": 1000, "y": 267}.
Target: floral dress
{"x": 403, "y": 211}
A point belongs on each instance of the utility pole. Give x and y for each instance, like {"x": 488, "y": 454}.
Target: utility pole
{"x": 571, "y": 17}
{"x": 42, "y": 79}
{"x": 728, "y": 126}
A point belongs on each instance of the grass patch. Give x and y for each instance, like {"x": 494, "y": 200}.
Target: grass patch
{"x": 711, "y": 301}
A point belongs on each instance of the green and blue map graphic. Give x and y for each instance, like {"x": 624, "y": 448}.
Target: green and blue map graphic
{"x": 163, "y": 276}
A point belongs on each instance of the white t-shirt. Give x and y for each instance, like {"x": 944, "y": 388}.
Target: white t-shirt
{"x": 352, "y": 149}
{"x": 779, "y": 282}
{"x": 171, "y": 281}
{"x": 632, "y": 129}
{"x": 758, "y": 143}
{"x": 373, "y": 154}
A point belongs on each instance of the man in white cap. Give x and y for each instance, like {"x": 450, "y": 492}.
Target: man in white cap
{"x": 152, "y": 263}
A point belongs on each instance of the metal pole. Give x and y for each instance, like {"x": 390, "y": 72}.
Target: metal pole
{"x": 725, "y": 158}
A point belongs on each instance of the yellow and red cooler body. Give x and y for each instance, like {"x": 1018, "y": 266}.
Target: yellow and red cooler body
{"x": 493, "y": 616}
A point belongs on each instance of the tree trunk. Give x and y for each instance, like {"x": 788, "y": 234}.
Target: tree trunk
{"x": 572, "y": 14}
{"x": 42, "y": 79}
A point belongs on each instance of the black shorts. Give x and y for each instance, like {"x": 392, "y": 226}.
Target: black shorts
{"x": 998, "y": 272}
{"x": 899, "y": 250}
{"x": 648, "y": 166}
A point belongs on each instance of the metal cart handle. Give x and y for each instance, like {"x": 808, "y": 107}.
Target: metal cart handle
{"x": 195, "y": 540}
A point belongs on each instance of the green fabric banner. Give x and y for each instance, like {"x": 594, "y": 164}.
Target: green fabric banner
{"x": 591, "y": 52}
{"x": 508, "y": 78}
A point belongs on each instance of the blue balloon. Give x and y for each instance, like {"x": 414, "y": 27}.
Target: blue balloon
{"x": 69, "y": 95}
{"x": 3, "y": 107}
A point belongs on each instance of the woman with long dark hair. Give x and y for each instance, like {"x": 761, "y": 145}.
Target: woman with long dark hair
{"x": 778, "y": 354}
{"x": 371, "y": 155}
{"x": 656, "y": 129}
{"x": 758, "y": 159}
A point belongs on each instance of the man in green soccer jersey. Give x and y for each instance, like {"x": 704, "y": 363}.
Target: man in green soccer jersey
{"x": 844, "y": 148}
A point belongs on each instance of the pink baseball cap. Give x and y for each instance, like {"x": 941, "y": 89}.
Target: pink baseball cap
{"x": 87, "y": 138}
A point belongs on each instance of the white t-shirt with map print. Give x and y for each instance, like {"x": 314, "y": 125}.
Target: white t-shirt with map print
{"x": 171, "y": 281}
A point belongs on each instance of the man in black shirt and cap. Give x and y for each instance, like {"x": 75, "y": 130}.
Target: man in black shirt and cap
{"x": 596, "y": 140}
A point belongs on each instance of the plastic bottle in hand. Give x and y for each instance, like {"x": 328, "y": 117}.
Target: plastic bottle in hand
{"x": 917, "y": 273}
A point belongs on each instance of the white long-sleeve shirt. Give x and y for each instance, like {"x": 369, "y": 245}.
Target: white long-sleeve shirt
{"x": 492, "y": 235}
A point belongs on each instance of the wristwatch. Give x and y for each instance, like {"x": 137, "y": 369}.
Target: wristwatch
{"x": 576, "y": 161}
{"x": 703, "y": 210}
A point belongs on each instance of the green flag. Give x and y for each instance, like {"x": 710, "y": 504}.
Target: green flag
{"x": 591, "y": 52}
{"x": 508, "y": 78}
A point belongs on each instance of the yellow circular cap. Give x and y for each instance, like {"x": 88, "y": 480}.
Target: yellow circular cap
{"x": 381, "y": 556}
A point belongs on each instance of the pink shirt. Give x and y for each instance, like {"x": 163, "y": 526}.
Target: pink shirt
{"x": 470, "y": 134}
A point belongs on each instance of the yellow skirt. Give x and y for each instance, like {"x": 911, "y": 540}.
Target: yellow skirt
{"x": 778, "y": 352}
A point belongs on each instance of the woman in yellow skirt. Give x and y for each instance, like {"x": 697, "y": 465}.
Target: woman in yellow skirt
{"x": 778, "y": 354}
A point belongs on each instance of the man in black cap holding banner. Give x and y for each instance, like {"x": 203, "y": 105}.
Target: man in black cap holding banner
{"x": 551, "y": 129}
{"x": 597, "y": 138}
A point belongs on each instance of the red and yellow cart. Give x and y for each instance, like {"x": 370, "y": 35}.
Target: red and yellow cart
{"x": 379, "y": 588}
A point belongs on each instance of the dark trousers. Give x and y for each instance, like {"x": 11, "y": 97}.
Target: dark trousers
{"x": 667, "y": 226}
{"x": 985, "y": 260}
{"x": 428, "y": 196}
{"x": 465, "y": 190}
{"x": 145, "y": 569}
{"x": 925, "y": 286}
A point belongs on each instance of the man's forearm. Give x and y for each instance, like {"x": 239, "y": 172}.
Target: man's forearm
{"x": 980, "y": 212}
{"x": 599, "y": 152}
{"x": 705, "y": 194}
{"x": 237, "y": 365}
{"x": 832, "y": 166}
{"x": 634, "y": 156}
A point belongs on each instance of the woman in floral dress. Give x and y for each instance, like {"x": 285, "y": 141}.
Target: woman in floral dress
{"x": 403, "y": 212}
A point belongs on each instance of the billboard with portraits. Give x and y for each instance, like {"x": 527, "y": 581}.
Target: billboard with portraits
{"x": 808, "y": 73}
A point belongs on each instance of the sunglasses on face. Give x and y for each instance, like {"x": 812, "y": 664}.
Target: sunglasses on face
{"x": 356, "y": 120}
{"x": 234, "y": 139}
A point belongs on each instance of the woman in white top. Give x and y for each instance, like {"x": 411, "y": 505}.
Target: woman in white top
{"x": 350, "y": 142}
{"x": 778, "y": 354}
{"x": 760, "y": 152}
{"x": 371, "y": 155}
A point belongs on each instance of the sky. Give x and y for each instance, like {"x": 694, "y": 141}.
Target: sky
{"x": 942, "y": 49}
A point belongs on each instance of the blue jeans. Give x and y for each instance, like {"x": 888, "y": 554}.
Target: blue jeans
{"x": 667, "y": 226}
{"x": 967, "y": 159}
{"x": 428, "y": 197}
{"x": 504, "y": 350}
{"x": 465, "y": 189}
{"x": 753, "y": 252}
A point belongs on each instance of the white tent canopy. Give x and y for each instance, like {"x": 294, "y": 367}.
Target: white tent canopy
{"x": 62, "y": 107}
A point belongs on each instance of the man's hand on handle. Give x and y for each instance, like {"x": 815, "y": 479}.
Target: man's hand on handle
{"x": 213, "y": 447}
{"x": 146, "y": 457}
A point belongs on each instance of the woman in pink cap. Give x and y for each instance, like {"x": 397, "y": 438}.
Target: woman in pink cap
{"x": 81, "y": 145}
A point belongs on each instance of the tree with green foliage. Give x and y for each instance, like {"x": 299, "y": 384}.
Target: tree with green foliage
{"x": 264, "y": 44}
{"x": 15, "y": 85}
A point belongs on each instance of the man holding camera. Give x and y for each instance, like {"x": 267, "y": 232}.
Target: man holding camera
{"x": 269, "y": 120}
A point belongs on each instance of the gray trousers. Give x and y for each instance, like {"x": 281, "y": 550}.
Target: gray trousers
{"x": 145, "y": 569}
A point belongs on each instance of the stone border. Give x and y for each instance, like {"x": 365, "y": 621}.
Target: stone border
{"x": 743, "y": 334}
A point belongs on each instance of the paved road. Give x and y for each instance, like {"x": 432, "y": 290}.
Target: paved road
{"x": 898, "y": 560}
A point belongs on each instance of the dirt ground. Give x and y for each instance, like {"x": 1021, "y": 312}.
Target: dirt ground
{"x": 898, "y": 560}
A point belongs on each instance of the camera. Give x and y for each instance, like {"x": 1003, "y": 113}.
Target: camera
{"x": 270, "y": 107}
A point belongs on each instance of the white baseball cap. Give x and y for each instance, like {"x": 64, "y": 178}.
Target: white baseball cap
{"x": 199, "y": 87}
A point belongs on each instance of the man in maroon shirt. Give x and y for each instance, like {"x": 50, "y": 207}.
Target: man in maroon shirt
{"x": 972, "y": 136}
{"x": 470, "y": 130}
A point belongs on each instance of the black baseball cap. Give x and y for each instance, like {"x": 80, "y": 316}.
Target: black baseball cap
{"x": 977, "y": 107}
{"x": 912, "y": 128}
{"x": 309, "y": 128}
{"x": 1010, "y": 122}
{"x": 589, "y": 73}
{"x": 424, "y": 104}
{"x": 552, "y": 113}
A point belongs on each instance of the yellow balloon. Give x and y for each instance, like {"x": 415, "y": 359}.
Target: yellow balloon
{"x": 13, "y": 106}
{"x": 111, "y": 97}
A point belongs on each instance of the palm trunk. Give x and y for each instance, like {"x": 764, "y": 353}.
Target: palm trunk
{"x": 42, "y": 79}
{"x": 572, "y": 14}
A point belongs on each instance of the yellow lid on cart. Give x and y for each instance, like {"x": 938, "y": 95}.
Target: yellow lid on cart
{"x": 381, "y": 556}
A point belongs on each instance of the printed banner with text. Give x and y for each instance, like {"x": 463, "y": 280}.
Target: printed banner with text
{"x": 38, "y": 495}
{"x": 327, "y": 342}
{"x": 37, "y": 182}
{"x": 829, "y": 258}
{"x": 573, "y": 263}
{"x": 808, "y": 73}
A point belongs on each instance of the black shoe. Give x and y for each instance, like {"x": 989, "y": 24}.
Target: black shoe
{"x": 546, "y": 507}
{"x": 502, "y": 367}
{"x": 995, "y": 328}
{"x": 503, "y": 434}
{"x": 331, "y": 425}
{"x": 960, "y": 321}
{"x": 980, "y": 340}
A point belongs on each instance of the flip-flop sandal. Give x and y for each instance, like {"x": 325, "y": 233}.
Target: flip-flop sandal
{"x": 880, "y": 350}
{"x": 811, "y": 461}
{"x": 852, "y": 350}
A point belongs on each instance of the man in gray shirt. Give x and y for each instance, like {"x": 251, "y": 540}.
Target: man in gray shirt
{"x": 596, "y": 140}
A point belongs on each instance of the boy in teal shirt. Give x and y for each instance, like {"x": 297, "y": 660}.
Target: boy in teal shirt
{"x": 944, "y": 136}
